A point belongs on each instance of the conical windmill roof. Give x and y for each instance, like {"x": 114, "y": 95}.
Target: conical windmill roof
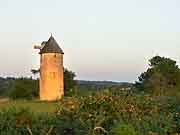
{"x": 51, "y": 46}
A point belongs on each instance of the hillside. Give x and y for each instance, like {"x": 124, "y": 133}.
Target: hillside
{"x": 100, "y": 85}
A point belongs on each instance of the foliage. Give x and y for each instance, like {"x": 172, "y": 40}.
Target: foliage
{"x": 5, "y": 84}
{"x": 162, "y": 76}
{"x": 69, "y": 82}
{"x": 103, "y": 113}
{"x": 124, "y": 129}
{"x": 23, "y": 121}
{"x": 26, "y": 88}
{"x": 35, "y": 71}
{"x": 89, "y": 87}
{"x": 33, "y": 105}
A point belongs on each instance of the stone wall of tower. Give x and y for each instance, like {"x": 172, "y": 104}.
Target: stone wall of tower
{"x": 51, "y": 76}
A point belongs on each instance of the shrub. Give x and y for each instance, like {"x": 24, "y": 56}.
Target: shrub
{"x": 124, "y": 129}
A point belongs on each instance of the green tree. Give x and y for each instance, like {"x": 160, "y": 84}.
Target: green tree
{"x": 69, "y": 81}
{"x": 162, "y": 75}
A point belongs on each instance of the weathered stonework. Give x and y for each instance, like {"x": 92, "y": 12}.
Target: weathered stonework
{"x": 51, "y": 76}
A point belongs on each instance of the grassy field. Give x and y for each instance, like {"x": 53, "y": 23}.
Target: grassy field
{"x": 35, "y": 106}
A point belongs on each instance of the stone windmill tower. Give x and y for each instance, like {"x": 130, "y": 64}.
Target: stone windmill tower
{"x": 51, "y": 70}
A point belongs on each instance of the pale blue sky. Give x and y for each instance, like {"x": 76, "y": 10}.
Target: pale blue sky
{"x": 102, "y": 39}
